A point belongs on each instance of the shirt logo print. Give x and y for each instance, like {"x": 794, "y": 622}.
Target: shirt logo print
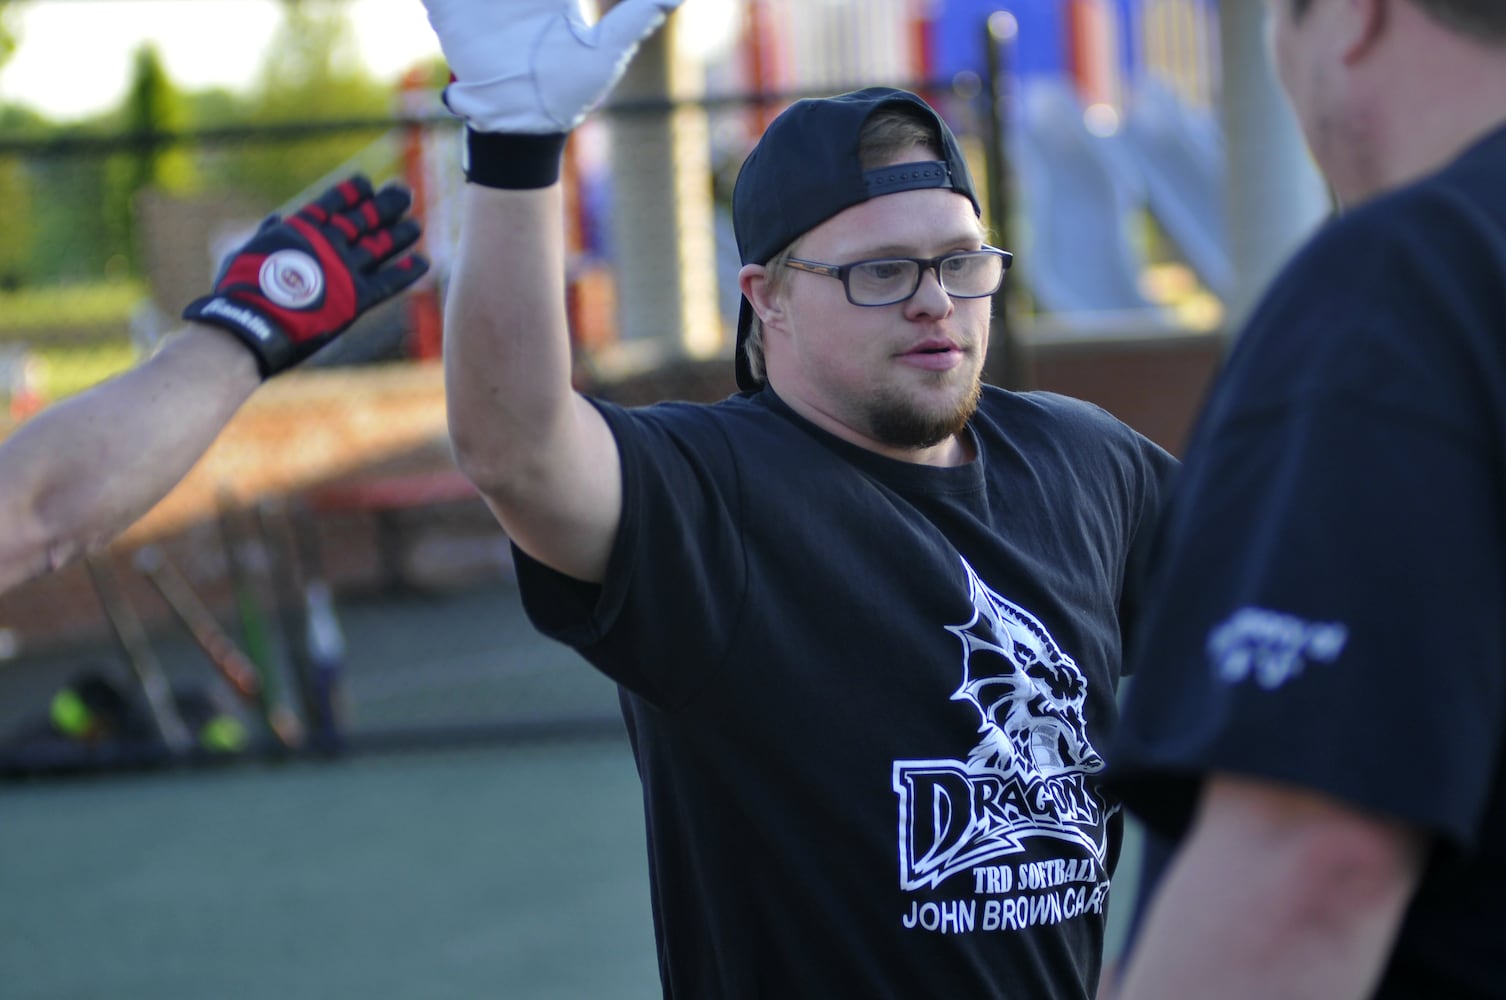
{"x": 1271, "y": 648}
{"x": 1027, "y": 777}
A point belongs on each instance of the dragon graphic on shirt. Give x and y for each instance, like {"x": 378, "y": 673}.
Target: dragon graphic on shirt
{"x": 1028, "y": 774}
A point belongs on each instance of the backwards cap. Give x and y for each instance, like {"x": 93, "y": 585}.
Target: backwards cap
{"x": 805, "y": 169}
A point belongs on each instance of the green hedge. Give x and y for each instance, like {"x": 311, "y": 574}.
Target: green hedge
{"x": 68, "y": 307}
{"x": 68, "y": 369}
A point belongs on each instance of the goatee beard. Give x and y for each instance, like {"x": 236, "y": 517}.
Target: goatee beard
{"x": 900, "y": 424}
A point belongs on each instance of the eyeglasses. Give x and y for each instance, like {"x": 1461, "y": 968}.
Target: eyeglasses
{"x": 883, "y": 281}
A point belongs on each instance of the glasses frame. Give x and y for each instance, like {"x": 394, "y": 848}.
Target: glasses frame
{"x": 841, "y": 272}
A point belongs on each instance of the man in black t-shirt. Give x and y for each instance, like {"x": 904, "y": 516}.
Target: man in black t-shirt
{"x": 864, "y": 615}
{"x": 1318, "y": 720}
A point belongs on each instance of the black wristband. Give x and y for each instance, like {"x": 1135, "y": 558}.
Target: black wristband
{"x": 519, "y": 161}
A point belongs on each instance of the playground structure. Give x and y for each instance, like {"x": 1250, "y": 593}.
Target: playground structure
{"x": 1112, "y": 131}
{"x": 1108, "y": 173}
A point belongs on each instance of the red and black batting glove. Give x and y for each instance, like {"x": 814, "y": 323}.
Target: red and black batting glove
{"x": 300, "y": 281}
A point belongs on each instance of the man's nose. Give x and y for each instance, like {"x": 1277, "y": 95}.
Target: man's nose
{"x": 930, "y": 299}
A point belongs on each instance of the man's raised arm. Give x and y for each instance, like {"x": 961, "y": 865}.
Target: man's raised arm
{"x": 526, "y": 73}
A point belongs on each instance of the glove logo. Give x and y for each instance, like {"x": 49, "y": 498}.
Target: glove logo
{"x": 291, "y": 279}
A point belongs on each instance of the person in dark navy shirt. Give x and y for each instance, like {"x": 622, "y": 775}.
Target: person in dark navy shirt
{"x": 1317, "y": 728}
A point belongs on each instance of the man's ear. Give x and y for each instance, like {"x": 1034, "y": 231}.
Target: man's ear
{"x": 754, "y": 281}
{"x": 1364, "y": 24}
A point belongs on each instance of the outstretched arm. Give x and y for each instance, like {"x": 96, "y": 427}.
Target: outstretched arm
{"x": 526, "y": 73}
{"x": 1276, "y": 892}
{"x": 78, "y": 473}
{"x": 84, "y": 469}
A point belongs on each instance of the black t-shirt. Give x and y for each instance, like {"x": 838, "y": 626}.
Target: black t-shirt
{"x": 866, "y": 697}
{"x": 1327, "y": 605}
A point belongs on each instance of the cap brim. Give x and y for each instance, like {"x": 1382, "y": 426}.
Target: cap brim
{"x": 745, "y": 380}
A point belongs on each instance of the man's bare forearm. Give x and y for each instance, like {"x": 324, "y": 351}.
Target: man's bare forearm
{"x": 84, "y": 469}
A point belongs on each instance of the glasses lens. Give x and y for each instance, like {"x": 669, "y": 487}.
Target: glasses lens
{"x": 973, "y": 274}
{"x": 879, "y": 282}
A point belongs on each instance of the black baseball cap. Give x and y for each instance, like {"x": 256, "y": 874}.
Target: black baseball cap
{"x": 805, "y": 169}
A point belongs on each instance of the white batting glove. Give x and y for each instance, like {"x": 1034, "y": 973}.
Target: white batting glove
{"x": 536, "y": 66}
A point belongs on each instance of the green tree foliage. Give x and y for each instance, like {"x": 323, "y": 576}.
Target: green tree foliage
{"x": 8, "y": 38}
{"x": 74, "y": 238}
{"x": 311, "y": 74}
{"x": 68, "y": 216}
{"x": 16, "y": 192}
{"x": 152, "y": 109}
{"x": 54, "y": 227}
{"x": 15, "y": 249}
{"x": 13, "y": 186}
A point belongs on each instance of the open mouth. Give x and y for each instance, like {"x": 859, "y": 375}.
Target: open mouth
{"x": 935, "y": 356}
{"x": 934, "y": 348}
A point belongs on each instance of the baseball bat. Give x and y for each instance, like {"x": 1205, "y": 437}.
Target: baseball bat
{"x": 324, "y": 639}
{"x": 306, "y": 606}
{"x": 131, "y": 636}
{"x": 286, "y": 576}
{"x": 241, "y": 553}
{"x": 223, "y": 653}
